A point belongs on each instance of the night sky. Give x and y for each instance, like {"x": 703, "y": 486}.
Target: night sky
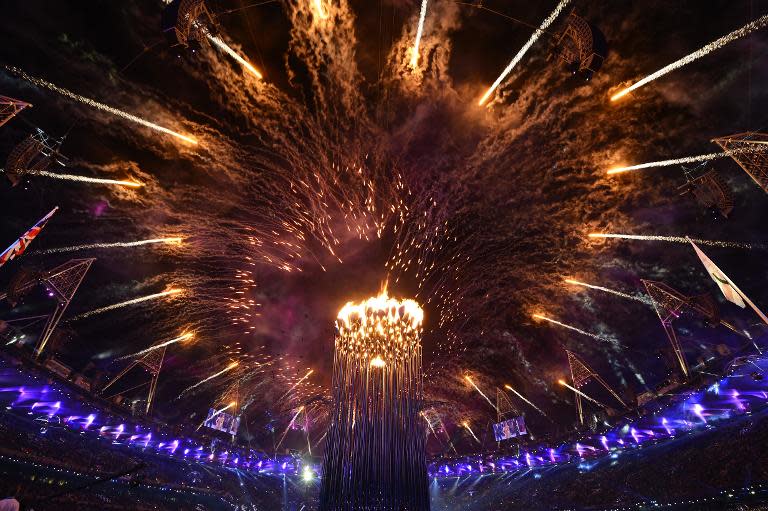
{"x": 492, "y": 206}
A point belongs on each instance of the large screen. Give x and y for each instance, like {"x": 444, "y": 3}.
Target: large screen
{"x": 509, "y": 428}
{"x": 222, "y": 422}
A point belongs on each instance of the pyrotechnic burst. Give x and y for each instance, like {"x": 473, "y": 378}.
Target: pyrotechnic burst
{"x": 570, "y": 327}
{"x": 182, "y": 338}
{"x": 642, "y": 299}
{"x": 525, "y": 399}
{"x": 544, "y": 26}
{"x": 714, "y": 45}
{"x": 680, "y": 239}
{"x": 95, "y": 104}
{"x": 468, "y": 428}
{"x": 232, "y": 53}
{"x": 687, "y": 159}
{"x": 209, "y": 378}
{"x": 117, "y": 244}
{"x": 84, "y": 179}
{"x": 577, "y": 391}
{"x": 419, "y": 31}
{"x": 466, "y": 377}
{"x": 133, "y": 301}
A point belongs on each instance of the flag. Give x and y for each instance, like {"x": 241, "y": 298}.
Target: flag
{"x": 729, "y": 289}
{"x": 20, "y": 245}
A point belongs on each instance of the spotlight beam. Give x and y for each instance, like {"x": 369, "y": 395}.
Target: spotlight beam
{"x": 714, "y": 45}
{"x": 520, "y": 54}
{"x": 99, "y": 106}
{"x": 118, "y": 244}
{"x": 126, "y": 303}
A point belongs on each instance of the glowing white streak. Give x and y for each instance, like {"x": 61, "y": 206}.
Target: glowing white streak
{"x": 232, "y": 53}
{"x": 547, "y": 22}
{"x": 466, "y": 425}
{"x": 119, "y": 244}
{"x": 524, "y": 399}
{"x": 481, "y": 392}
{"x": 84, "y": 179}
{"x": 289, "y": 427}
{"x": 126, "y": 303}
{"x": 419, "y": 31}
{"x": 577, "y": 391}
{"x": 715, "y": 45}
{"x": 679, "y": 239}
{"x": 687, "y": 159}
{"x": 180, "y": 338}
{"x": 297, "y": 383}
{"x": 209, "y": 378}
{"x": 569, "y": 327}
{"x": 320, "y": 10}
{"x": 612, "y": 291}
{"x": 100, "y": 106}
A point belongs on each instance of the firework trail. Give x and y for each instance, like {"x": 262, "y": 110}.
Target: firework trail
{"x": 481, "y": 392}
{"x": 181, "y": 338}
{"x": 715, "y": 45}
{"x": 296, "y": 384}
{"x": 95, "y": 104}
{"x": 466, "y": 426}
{"x": 681, "y": 239}
{"x": 641, "y": 299}
{"x": 301, "y": 408}
{"x": 215, "y": 413}
{"x": 419, "y": 31}
{"x": 119, "y": 244}
{"x": 544, "y": 26}
{"x": 127, "y": 303}
{"x": 232, "y": 53}
{"x": 687, "y": 159}
{"x": 84, "y": 179}
{"x": 524, "y": 399}
{"x": 578, "y": 330}
{"x": 209, "y": 378}
{"x": 577, "y": 391}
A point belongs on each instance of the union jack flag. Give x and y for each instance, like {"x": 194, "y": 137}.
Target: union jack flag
{"x": 20, "y": 245}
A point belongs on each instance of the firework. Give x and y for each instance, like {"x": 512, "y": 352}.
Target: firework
{"x": 95, "y": 104}
{"x": 680, "y": 239}
{"x": 642, "y": 299}
{"x": 297, "y": 383}
{"x": 118, "y": 244}
{"x": 84, "y": 179}
{"x": 547, "y": 22}
{"x": 481, "y": 392}
{"x": 320, "y": 11}
{"x": 466, "y": 426}
{"x": 680, "y": 161}
{"x": 209, "y": 378}
{"x": 301, "y": 408}
{"x": 134, "y": 301}
{"x": 376, "y": 441}
{"x": 232, "y": 53}
{"x": 419, "y": 31}
{"x": 577, "y": 391}
{"x": 715, "y": 45}
{"x": 183, "y": 337}
{"x": 524, "y": 399}
{"x": 569, "y": 327}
